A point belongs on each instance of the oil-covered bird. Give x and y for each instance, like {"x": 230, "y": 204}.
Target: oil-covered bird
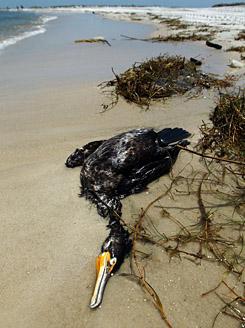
{"x": 115, "y": 168}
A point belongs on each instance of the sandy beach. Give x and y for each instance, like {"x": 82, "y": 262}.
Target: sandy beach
{"x": 50, "y": 104}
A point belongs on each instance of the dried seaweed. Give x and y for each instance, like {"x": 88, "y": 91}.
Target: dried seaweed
{"x": 212, "y": 246}
{"x": 182, "y": 37}
{"x": 233, "y": 304}
{"x": 205, "y": 240}
{"x": 225, "y": 137}
{"x": 240, "y": 36}
{"x": 138, "y": 270}
{"x": 237, "y": 49}
{"x": 174, "y": 22}
{"x": 159, "y": 78}
{"x": 178, "y": 37}
{"x": 98, "y": 39}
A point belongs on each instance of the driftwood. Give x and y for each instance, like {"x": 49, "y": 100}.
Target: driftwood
{"x": 213, "y": 45}
{"x": 196, "y": 61}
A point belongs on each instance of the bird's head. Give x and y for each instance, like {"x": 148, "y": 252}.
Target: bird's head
{"x": 113, "y": 251}
{"x": 105, "y": 265}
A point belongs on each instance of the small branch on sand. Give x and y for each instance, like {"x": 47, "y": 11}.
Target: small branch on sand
{"x": 212, "y": 157}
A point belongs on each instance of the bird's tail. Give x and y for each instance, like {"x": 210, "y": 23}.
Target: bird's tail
{"x": 173, "y": 136}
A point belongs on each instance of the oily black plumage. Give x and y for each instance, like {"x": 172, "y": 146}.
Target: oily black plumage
{"x": 122, "y": 165}
{"x": 118, "y": 243}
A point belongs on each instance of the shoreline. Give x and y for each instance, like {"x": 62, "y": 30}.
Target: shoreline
{"x": 38, "y": 29}
{"x": 50, "y": 237}
{"x": 223, "y": 24}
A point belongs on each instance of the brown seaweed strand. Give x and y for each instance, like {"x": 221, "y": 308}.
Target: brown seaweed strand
{"x": 141, "y": 272}
{"x": 211, "y": 157}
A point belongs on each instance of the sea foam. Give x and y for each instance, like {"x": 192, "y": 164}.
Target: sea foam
{"x": 39, "y": 29}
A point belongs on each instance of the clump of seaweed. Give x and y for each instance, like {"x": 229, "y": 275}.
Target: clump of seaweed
{"x": 182, "y": 37}
{"x": 174, "y": 22}
{"x": 159, "y": 78}
{"x": 241, "y": 35}
{"x": 237, "y": 49}
{"x": 97, "y": 39}
{"x": 226, "y": 135}
{"x": 178, "y": 37}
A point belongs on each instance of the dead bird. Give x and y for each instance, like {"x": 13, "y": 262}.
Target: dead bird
{"x": 125, "y": 164}
{"x": 115, "y": 168}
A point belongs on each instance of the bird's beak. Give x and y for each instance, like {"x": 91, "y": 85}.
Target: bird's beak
{"x": 104, "y": 267}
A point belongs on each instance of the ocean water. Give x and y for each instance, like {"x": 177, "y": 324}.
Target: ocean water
{"x": 52, "y": 59}
{"x": 18, "y": 25}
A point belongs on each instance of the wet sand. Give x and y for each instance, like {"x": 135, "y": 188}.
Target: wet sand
{"x": 50, "y": 237}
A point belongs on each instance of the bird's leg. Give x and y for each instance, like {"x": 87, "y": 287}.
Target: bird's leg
{"x": 80, "y": 154}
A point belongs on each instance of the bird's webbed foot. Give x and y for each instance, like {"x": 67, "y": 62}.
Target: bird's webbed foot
{"x": 80, "y": 154}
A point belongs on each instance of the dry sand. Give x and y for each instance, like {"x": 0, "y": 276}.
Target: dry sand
{"x": 50, "y": 237}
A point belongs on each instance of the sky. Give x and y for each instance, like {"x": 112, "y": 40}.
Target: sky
{"x": 167, "y": 3}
